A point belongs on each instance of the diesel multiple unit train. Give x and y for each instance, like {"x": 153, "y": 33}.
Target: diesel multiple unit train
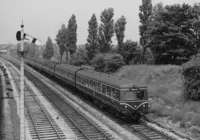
{"x": 119, "y": 95}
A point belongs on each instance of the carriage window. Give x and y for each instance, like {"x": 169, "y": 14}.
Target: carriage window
{"x": 97, "y": 86}
{"x": 90, "y": 83}
{"x": 93, "y": 84}
{"x": 104, "y": 89}
{"x": 115, "y": 93}
{"x": 83, "y": 81}
{"x": 112, "y": 92}
{"x": 77, "y": 79}
{"x": 108, "y": 91}
{"x": 87, "y": 82}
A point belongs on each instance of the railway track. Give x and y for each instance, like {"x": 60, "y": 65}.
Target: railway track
{"x": 82, "y": 126}
{"x": 148, "y": 132}
{"x": 41, "y": 124}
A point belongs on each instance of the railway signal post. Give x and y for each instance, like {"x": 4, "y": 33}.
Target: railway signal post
{"x": 22, "y": 50}
{"x": 20, "y": 37}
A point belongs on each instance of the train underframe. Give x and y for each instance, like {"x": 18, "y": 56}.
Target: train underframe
{"x": 126, "y": 115}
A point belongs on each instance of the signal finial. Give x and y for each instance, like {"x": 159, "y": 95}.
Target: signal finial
{"x": 22, "y": 26}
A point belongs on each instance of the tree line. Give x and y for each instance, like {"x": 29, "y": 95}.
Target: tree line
{"x": 168, "y": 35}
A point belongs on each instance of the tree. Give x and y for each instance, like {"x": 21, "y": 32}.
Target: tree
{"x": 145, "y": 19}
{"x": 172, "y": 36}
{"x": 196, "y": 24}
{"x": 119, "y": 28}
{"x": 49, "y": 51}
{"x": 92, "y": 39}
{"x": 80, "y": 56}
{"x": 107, "y": 62}
{"x": 61, "y": 39}
{"x": 130, "y": 51}
{"x": 71, "y": 36}
{"x": 191, "y": 74}
{"x": 106, "y": 30}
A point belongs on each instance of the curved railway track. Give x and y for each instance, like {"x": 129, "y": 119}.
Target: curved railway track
{"x": 83, "y": 127}
{"x": 41, "y": 124}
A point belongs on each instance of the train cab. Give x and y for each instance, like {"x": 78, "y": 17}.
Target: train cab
{"x": 134, "y": 100}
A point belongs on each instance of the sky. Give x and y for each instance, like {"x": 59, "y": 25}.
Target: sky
{"x": 43, "y": 18}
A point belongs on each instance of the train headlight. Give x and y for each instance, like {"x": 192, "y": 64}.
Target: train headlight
{"x": 135, "y": 106}
{"x": 143, "y": 105}
{"x": 125, "y": 106}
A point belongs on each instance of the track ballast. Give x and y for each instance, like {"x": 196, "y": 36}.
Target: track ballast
{"x": 41, "y": 124}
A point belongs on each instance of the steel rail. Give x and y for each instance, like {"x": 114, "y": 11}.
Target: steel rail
{"x": 39, "y": 105}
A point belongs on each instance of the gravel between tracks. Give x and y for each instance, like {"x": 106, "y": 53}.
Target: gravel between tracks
{"x": 14, "y": 106}
{"x": 7, "y": 126}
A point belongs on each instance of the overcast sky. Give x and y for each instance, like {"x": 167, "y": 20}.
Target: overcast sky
{"x": 43, "y": 18}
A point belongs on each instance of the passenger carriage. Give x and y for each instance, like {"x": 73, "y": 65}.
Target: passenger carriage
{"x": 120, "y": 95}
{"x": 113, "y": 91}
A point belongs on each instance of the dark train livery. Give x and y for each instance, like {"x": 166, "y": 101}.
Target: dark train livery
{"x": 120, "y": 95}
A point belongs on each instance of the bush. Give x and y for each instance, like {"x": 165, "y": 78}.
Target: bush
{"x": 108, "y": 63}
{"x": 79, "y": 58}
{"x": 191, "y": 74}
{"x": 130, "y": 51}
{"x": 98, "y": 63}
{"x": 196, "y": 120}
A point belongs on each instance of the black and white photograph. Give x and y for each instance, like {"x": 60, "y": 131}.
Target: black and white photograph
{"x": 99, "y": 70}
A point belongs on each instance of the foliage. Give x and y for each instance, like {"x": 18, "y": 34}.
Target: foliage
{"x": 72, "y": 34}
{"x": 107, "y": 63}
{"x": 148, "y": 57}
{"x": 92, "y": 46}
{"x": 49, "y": 50}
{"x": 80, "y": 57}
{"x": 196, "y": 24}
{"x": 172, "y": 33}
{"x": 98, "y": 63}
{"x": 145, "y": 19}
{"x": 191, "y": 73}
{"x": 119, "y": 28}
{"x": 130, "y": 52}
{"x": 61, "y": 39}
{"x": 106, "y": 30}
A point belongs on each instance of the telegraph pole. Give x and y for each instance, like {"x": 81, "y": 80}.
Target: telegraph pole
{"x": 21, "y": 51}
